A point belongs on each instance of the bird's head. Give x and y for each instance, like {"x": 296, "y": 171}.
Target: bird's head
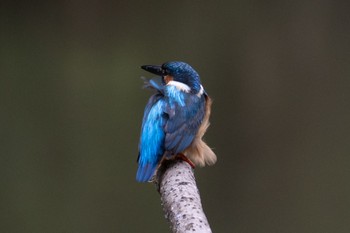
{"x": 177, "y": 71}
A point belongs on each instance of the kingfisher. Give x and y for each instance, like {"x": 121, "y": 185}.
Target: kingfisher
{"x": 175, "y": 119}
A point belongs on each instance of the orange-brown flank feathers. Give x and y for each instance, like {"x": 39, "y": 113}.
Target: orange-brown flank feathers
{"x": 199, "y": 152}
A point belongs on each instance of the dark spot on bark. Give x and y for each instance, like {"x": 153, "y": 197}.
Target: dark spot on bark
{"x": 183, "y": 183}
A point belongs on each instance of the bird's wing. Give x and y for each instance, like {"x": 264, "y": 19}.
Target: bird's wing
{"x": 185, "y": 117}
{"x": 151, "y": 147}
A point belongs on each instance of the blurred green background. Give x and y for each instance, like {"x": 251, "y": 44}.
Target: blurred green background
{"x": 71, "y": 107}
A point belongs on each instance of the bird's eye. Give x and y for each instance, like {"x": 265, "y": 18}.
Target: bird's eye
{"x": 164, "y": 71}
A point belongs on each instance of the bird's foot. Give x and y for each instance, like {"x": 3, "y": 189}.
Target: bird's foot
{"x": 184, "y": 158}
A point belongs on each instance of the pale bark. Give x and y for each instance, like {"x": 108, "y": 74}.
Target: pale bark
{"x": 180, "y": 198}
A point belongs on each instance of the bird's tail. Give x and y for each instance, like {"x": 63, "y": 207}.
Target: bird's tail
{"x": 145, "y": 171}
{"x": 199, "y": 152}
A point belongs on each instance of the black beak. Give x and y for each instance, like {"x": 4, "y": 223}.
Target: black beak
{"x": 154, "y": 69}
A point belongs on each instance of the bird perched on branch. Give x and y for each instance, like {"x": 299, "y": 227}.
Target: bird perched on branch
{"x": 175, "y": 119}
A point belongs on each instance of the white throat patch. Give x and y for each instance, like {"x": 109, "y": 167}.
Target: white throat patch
{"x": 201, "y": 91}
{"x": 180, "y": 86}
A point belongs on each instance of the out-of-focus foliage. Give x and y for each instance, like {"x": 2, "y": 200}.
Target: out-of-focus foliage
{"x": 71, "y": 107}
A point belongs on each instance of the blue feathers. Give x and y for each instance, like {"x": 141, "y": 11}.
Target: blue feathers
{"x": 185, "y": 116}
{"x": 174, "y": 96}
{"x": 152, "y": 139}
{"x": 184, "y": 73}
{"x": 172, "y": 116}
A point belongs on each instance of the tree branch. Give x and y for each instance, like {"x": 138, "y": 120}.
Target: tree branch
{"x": 180, "y": 197}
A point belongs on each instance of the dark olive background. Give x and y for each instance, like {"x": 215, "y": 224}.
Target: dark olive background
{"x": 71, "y": 107}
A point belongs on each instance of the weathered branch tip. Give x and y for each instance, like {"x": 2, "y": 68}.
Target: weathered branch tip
{"x": 180, "y": 197}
